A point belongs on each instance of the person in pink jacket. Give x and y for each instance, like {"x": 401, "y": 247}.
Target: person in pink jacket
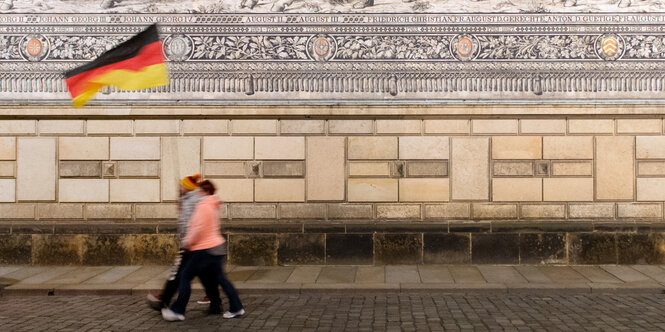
{"x": 204, "y": 244}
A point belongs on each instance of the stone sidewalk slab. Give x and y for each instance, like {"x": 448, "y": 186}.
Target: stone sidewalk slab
{"x": 654, "y": 272}
{"x": 304, "y": 274}
{"x": 526, "y": 279}
{"x": 435, "y": 274}
{"x": 370, "y": 275}
{"x": 596, "y": 274}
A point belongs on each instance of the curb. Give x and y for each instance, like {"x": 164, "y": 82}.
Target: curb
{"x": 360, "y": 289}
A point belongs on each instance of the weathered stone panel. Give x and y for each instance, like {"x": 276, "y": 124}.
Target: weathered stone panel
{"x": 426, "y": 169}
{"x": 15, "y": 249}
{"x": 568, "y": 147}
{"x": 398, "y": 211}
{"x": 7, "y": 148}
{"x": 61, "y": 127}
{"x": 350, "y": 126}
{"x": 596, "y": 210}
{"x": 134, "y": 190}
{"x": 350, "y": 211}
{"x": 372, "y": 190}
{"x": 568, "y": 189}
{"x": 495, "y": 248}
{"x": 135, "y": 148}
{"x": 83, "y": 190}
{"x": 615, "y": 176}
{"x": 205, "y": 127}
{"x": 157, "y": 127}
{"x": 512, "y": 168}
{"x": 256, "y": 127}
{"x": 591, "y": 126}
{"x": 364, "y": 147}
{"x": 283, "y": 169}
{"x": 247, "y": 249}
{"x": 442, "y": 248}
{"x": 301, "y": 249}
{"x": 325, "y": 167}
{"x": 57, "y": 249}
{"x": 517, "y": 147}
{"x": 398, "y": 126}
{"x": 446, "y": 126}
{"x": 7, "y": 190}
{"x": 427, "y": 147}
{"x": 302, "y": 126}
{"x": 424, "y": 190}
{"x": 650, "y": 147}
{"x": 180, "y": 157}
{"x": 70, "y": 169}
{"x": 541, "y": 126}
{"x": 18, "y": 127}
{"x": 234, "y": 190}
{"x": 109, "y": 127}
{"x": 349, "y": 249}
{"x": 517, "y": 189}
{"x": 592, "y": 248}
{"x": 494, "y": 126}
{"x": 447, "y": 211}
{"x": 279, "y": 190}
{"x": 397, "y": 248}
{"x": 543, "y": 248}
{"x": 36, "y": 174}
{"x": 470, "y": 168}
{"x": 270, "y": 148}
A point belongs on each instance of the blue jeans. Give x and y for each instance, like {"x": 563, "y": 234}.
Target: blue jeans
{"x": 207, "y": 280}
{"x": 197, "y": 262}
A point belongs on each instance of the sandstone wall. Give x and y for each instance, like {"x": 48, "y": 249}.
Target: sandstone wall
{"x": 368, "y": 189}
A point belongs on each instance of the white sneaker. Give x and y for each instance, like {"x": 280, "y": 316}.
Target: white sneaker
{"x": 171, "y": 316}
{"x": 229, "y": 314}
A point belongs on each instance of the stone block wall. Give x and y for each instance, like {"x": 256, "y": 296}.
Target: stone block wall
{"x": 302, "y": 190}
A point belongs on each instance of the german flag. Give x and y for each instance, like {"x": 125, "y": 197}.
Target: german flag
{"x": 135, "y": 64}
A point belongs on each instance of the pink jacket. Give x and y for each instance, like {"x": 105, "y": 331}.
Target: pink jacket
{"x": 203, "y": 231}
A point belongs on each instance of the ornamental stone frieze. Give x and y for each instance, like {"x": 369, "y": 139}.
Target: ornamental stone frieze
{"x": 349, "y": 57}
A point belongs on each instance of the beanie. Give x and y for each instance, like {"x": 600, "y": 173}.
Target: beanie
{"x": 191, "y": 182}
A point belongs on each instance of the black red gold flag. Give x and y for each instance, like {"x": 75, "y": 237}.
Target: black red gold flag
{"x": 136, "y": 64}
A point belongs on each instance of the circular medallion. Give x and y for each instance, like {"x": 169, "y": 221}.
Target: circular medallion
{"x": 178, "y": 47}
{"x": 609, "y": 47}
{"x": 34, "y": 47}
{"x": 464, "y": 47}
{"x": 321, "y": 47}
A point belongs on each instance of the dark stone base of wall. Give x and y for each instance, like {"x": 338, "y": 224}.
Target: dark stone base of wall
{"x": 268, "y": 244}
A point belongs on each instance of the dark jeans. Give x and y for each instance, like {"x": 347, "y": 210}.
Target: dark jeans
{"x": 197, "y": 262}
{"x": 207, "y": 278}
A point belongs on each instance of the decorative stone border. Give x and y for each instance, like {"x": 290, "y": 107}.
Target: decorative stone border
{"x": 351, "y": 57}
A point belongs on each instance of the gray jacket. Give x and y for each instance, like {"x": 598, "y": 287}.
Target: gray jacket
{"x": 188, "y": 202}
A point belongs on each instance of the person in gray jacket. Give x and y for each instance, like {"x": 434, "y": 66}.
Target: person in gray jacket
{"x": 189, "y": 197}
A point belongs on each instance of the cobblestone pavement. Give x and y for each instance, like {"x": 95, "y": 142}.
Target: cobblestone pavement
{"x": 347, "y": 312}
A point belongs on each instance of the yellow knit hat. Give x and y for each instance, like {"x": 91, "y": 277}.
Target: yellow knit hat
{"x": 191, "y": 182}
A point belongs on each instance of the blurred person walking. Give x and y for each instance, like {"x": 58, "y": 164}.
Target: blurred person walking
{"x": 204, "y": 245}
{"x": 189, "y": 197}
